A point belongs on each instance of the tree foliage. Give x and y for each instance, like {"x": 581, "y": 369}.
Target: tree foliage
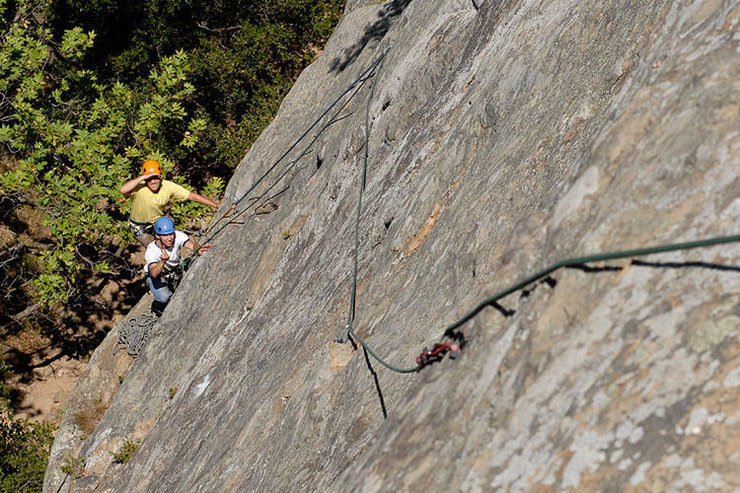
{"x": 24, "y": 453}
{"x": 24, "y": 448}
{"x": 90, "y": 88}
{"x": 244, "y": 55}
{"x": 75, "y": 138}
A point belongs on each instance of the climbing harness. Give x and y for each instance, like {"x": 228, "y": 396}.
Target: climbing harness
{"x": 174, "y": 277}
{"x": 138, "y": 228}
{"x": 134, "y": 333}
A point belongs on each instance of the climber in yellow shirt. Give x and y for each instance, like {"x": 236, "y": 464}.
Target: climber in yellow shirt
{"x": 150, "y": 195}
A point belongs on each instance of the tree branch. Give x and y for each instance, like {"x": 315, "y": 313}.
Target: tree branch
{"x": 28, "y": 311}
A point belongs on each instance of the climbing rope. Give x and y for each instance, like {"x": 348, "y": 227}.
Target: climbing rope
{"x": 599, "y": 257}
{"x": 233, "y": 213}
{"x": 363, "y": 180}
{"x": 294, "y": 162}
{"x": 359, "y": 79}
{"x": 450, "y": 330}
{"x": 134, "y": 333}
{"x": 380, "y": 360}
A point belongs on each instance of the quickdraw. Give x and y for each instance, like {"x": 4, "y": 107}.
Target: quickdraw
{"x": 429, "y": 356}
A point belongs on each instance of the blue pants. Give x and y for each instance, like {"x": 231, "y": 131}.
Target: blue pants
{"x": 159, "y": 289}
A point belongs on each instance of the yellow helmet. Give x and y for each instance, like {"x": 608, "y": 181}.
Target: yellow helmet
{"x": 151, "y": 166}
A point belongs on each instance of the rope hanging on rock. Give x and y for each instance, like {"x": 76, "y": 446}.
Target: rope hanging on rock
{"x": 363, "y": 180}
{"x": 599, "y": 257}
{"x": 231, "y": 215}
{"x": 450, "y": 330}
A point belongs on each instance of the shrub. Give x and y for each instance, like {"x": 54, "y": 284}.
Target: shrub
{"x": 126, "y": 451}
{"x": 74, "y": 466}
{"x": 24, "y": 449}
{"x": 89, "y": 414}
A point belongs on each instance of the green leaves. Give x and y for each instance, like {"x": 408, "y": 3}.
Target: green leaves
{"x": 24, "y": 453}
{"x": 170, "y": 93}
{"x": 242, "y": 59}
{"x": 24, "y": 446}
{"x": 183, "y": 212}
{"x": 76, "y": 140}
{"x": 75, "y": 43}
{"x": 193, "y": 133}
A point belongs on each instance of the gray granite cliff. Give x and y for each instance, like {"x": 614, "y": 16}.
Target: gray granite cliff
{"x": 504, "y": 136}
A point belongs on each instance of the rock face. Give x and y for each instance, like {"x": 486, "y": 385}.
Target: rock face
{"x": 503, "y": 137}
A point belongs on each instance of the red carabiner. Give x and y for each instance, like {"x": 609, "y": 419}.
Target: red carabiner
{"x": 429, "y": 356}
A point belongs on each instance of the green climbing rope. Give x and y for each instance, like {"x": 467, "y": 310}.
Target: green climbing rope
{"x": 363, "y": 181}
{"x": 377, "y": 358}
{"x": 353, "y": 296}
{"x": 364, "y": 76}
{"x": 599, "y": 257}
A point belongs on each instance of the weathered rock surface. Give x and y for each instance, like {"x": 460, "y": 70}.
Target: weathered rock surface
{"x": 504, "y": 136}
{"x": 91, "y": 397}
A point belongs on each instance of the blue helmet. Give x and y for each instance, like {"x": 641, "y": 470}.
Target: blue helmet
{"x": 164, "y": 226}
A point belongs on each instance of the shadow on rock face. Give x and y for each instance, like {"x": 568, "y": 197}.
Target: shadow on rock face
{"x": 683, "y": 265}
{"x": 374, "y": 32}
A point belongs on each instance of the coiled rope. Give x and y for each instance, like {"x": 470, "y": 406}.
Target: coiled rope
{"x": 134, "y": 333}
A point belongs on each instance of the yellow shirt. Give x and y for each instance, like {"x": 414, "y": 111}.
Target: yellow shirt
{"x": 147, "y": 206}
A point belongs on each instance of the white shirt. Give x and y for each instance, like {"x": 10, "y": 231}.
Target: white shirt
{"x": 153, "y": 253}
